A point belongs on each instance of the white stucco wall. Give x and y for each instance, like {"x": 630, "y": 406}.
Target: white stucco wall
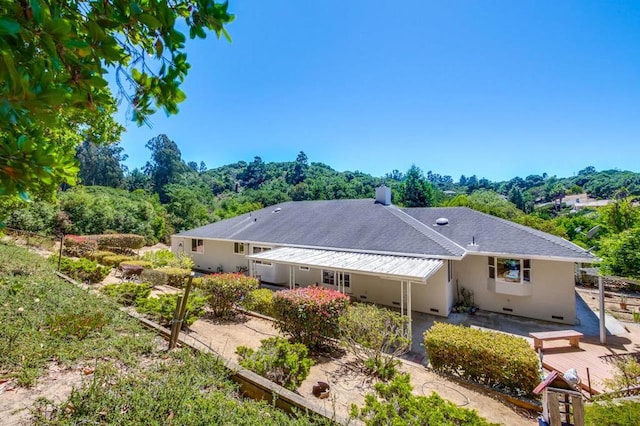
{"x": 216, "y": 253}
{"x": 552, "y": 295}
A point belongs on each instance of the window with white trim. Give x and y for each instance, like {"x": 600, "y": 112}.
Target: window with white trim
{"x": 329, "y": 278}
{"x": 259, "y": 249}
{"x": 238, "y": 248}
{"x": 197, "y": 245}
{"x": 509, "y": 270}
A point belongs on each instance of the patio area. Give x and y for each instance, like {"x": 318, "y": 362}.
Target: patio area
{"x": 558, "y": 355}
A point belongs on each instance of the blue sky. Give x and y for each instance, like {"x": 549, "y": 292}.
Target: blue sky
{"x": 493, "y": 88}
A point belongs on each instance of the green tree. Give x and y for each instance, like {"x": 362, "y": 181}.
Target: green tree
{"x": 620, "y": 215}
{"x": 166, "y": 164}
{"x": 299, "y": 171}
{"x": 255, "y": 173}
{"x": 54, "y": 56}
{"x": 101, "y": 164}
{"x": 621, "y": 254}
{"x": 417, "y": 192}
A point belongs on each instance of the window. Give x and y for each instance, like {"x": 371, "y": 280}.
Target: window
{"x": 197, "y": 246}
{"x": 492, "y": 267}
{"x": 449, "y": 271}
{"x": 510, "y": 270}
{"x": 258, "y": 249}
{"x": 329, "y": 278}
{"x": 238, "y": 248}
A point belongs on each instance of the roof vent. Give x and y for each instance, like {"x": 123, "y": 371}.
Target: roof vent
{"x": 277, "y": 210}
{"x": 441, "y": 221}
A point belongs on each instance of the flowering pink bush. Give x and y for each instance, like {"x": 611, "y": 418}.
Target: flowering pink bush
{"x": 309, "y": 315}
{"x": 225, "y": 290}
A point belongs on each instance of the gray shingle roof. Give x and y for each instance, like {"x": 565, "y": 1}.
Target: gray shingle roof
{"x": 495, "y": 235}
{"x": 340, "y": 224}
{"x": 363, "y": 225}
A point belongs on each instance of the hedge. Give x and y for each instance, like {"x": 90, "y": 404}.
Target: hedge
{"x": 127, "y": 294}
{"x": 498, "y": 360}
{"x": 99, "y": 255}
{"x": 142, "y": 263}
{"x": 78, "y": 246}
{"x": 115, "y": 260}
{"x": 260, "y": 301}
{"x": 309, "y": 315}
{"x": 225, "y": 290}
{"x": 84, "y": 270}
{"x": 118, "y": 242}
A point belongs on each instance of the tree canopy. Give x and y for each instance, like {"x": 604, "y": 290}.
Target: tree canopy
{"x": 54, "y": 58}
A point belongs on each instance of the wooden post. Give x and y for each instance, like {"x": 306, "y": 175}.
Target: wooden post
{"x": 60, "y": 253}
{"x": 175, "y": 328}
{"x": 183, "y": 308}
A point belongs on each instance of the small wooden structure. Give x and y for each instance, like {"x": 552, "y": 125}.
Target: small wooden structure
{"x": 562, "y": 403}
{"x": 571, "y": 335}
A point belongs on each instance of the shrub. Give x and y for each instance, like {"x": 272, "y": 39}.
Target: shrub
{"x": 77, "y": 246}
{"x": 154, "y": 276}
{"x": 375, "y": 336}
{"x": 142, "y": 263}
{"x": 394, "y": 404}
{"x": 115, "y": 260}
{"x": 166, "y": 258}
{"x": 118, "y": 243}
{"x": 84, "y": 270}
{"x": 99, "y": 255}
{"x": 309, "y": 315}
{"x": 622, "y": 413}
{"x": 486, "y": 357}
{"x": 278, "y": 360}
{"x": 162, "y": 308}
{"x": 127, "y": 293}
{"x": 176, "y": 276}
{"x": 626, "y": 376}
{"x": 225, "y": 290}
{"x": 260, "y": 300}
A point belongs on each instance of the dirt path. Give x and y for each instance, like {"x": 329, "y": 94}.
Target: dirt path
{"x": 347, "y": 384}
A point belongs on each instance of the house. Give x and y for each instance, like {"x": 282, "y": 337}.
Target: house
{"x": 412, "y": 258}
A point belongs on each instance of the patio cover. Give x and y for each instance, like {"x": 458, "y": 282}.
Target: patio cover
{"x": 395, "y": 267}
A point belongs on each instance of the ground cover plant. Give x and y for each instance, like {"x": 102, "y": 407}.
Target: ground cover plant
{"x": 132, "y": 381}
{"x": 127, "y": 293}
{"x": 394, "y": 404}
{"x": 309, "y": 315}
{"x": 82, "y": 269}
{"x": 162, "y": 308}
{"x": 493, "y": 359}
{"x": 622, "y": 413}
{"x": 185, "y": 389}
{"x": 375, "y": 336}
{"x": 52, "y": 320}
{"x": 278, "y": 360}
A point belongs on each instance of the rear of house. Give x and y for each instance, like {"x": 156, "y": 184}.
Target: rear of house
{"x": 416, "y": 259}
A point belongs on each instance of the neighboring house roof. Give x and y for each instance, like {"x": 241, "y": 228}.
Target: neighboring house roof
{"x": 496, "y": 235}
{"x": 366, "y": 226}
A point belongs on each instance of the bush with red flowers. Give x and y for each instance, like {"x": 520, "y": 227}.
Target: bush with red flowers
{"x": 309, "y": 315}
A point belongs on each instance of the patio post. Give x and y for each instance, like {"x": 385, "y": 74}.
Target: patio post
{"x": 409, "y": 313}
{"x": 603, "y": 328}
{"x": 401, "y": 297}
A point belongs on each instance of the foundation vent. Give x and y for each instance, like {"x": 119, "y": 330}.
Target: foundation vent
{"x": 507, "y": 309}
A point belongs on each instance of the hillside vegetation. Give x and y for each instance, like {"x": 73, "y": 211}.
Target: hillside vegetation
{"x": 169, "y": 195}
